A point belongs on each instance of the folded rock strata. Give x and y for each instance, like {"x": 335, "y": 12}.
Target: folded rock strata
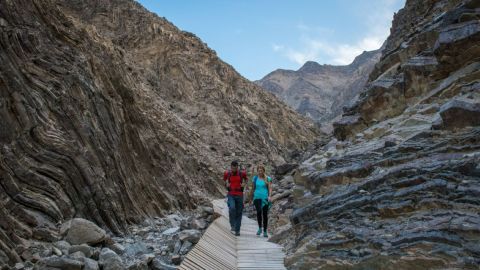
{"x": 110, "y": 113}
{"x": 398, "y": 185}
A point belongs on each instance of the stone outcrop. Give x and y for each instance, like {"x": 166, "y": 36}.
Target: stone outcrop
{"x": 110, "y": 113}
{"x": 321, "y": 91}
{"x": 459, "y": 113}
{"x": 80, "y": 231}
{"x": 397, "y": 187}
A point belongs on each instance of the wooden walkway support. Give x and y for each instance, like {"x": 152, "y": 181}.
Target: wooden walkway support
{"x": 220, "y": 249}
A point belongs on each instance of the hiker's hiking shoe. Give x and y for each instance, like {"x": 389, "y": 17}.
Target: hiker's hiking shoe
{"x": 259, "y": 231}
{"x": 237, "y": 234}
{"x": 265, "y": 234}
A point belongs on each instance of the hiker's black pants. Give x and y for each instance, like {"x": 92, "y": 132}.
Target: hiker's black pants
{"x": 262, "y": 214}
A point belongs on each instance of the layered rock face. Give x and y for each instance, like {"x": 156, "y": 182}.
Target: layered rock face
{"x": 321, "y": 91}
{"x": 398, "y": 186}
{"x": 111, "y": 113}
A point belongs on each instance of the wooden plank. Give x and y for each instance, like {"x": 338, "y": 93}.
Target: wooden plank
{"x": 210, "y": 261}
{"x": 218, "y": 257}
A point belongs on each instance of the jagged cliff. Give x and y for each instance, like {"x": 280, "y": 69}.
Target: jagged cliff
{"x": 321, "y": 91}
{"x": 111, "y": 113}
{"x": 398, "y": 186}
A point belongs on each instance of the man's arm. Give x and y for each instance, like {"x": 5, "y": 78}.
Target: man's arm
{"x": 225, "y": 179}
{"x": 244, "y": 179}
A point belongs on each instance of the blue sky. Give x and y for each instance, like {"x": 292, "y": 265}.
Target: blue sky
{"x": 259, "y": 36}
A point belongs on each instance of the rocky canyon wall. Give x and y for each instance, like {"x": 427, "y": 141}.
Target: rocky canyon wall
{"x": 110, "y": 113}
{"x": 398, "y": 185}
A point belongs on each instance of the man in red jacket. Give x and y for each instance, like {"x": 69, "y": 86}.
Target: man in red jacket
{"x": 235, "y": 181}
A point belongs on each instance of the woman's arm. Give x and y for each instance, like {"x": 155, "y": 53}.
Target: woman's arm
{"x": 253, "y": 189}
{"x": 252, "y": 175}
{"x": 269, "y": 190}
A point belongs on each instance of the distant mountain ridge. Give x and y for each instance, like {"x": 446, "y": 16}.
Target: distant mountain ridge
{"x": 321, "y": 91}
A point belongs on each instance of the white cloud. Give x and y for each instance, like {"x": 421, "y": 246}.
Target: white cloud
{"x": 303, "y": 27}
{"x": 277, "y": 48}
{"x": 323, "y": 51}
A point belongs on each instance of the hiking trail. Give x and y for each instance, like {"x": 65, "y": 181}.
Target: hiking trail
{"x": 220, "y": 249}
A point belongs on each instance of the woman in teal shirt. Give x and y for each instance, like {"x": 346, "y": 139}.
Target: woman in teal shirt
{"x": 261, "y": 193}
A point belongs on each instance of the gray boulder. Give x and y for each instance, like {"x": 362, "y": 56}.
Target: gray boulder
{"x": 190, "y": 235}
{"x": 109, "y": 260}
{"x": 206, "y": 210}
{"x": 84, "y": 248}
{"x": 186, "y": 246}
{"x": 148, "y": 258}
{"x": 137, "y": 265}
{"x": 57, "y": 251}
{"x": 171, "y": 231}
{"x": 118, "y": 248}
{"x": 174, "y": 220}
{"x": 176, "y": 259}
{"x": 58, "y": 262}
{"x": 176, "y": 248}
{"x": 90, "y": 264}
{"x": 199, "y": 224}
{"x": 82, "y": 231}
{"x": 135, "y": 249}
{"x": 157, "y": 264}
{"x": 77, "y": 255}
{"x": 62, "y": 246}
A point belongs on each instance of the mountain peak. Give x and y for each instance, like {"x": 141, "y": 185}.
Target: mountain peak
{"x": 310, "y": 67}
{"x": 364, "y": 57}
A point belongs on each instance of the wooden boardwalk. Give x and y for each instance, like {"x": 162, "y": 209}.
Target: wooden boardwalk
{"x": 220, "y": 249}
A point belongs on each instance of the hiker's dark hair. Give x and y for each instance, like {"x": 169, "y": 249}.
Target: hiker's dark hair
{"x": 234, "y": 163}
